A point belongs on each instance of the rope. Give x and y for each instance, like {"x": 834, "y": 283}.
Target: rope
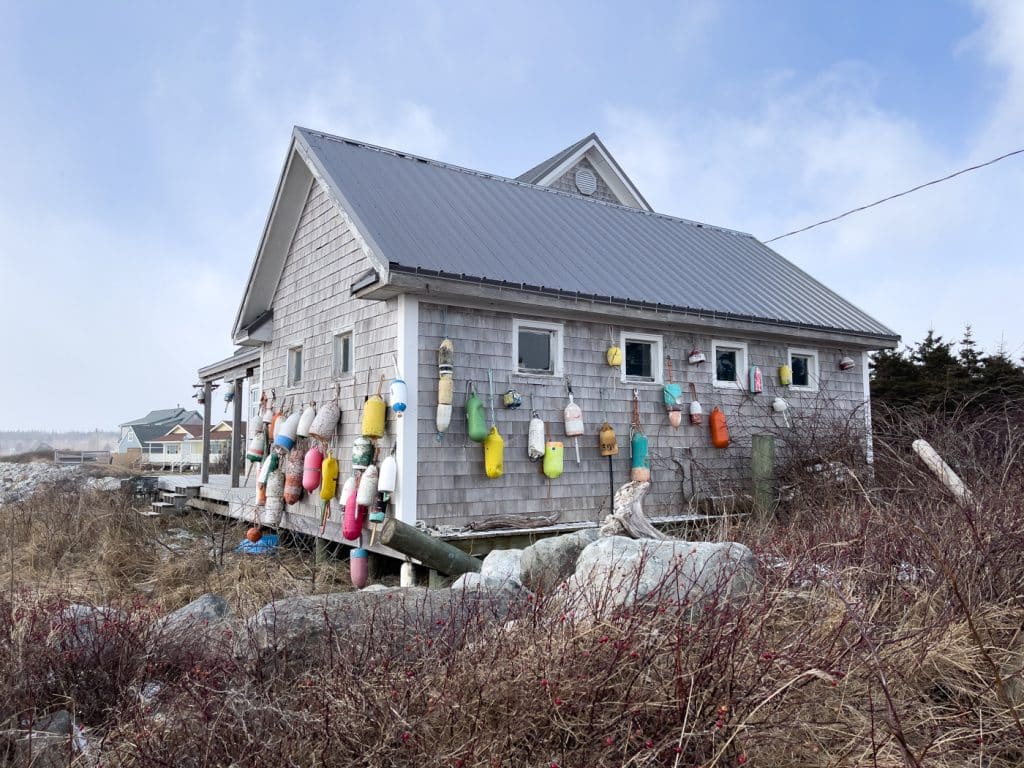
{"x": 490, "y": 386}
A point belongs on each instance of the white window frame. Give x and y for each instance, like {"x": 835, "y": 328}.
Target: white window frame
{"x": 290, "y": 382}
{"x": 557, "y": 346}
{"x": 351, "y": 354}
{"x": 657, "y": 357}
{"x": 742, "y": 364}
{"x": 813, "y": 368}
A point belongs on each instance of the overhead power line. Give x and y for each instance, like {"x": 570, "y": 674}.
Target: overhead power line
{"x": 898, "y": 194}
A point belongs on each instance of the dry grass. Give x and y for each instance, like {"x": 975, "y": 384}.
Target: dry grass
{"x": 888, "y": 630}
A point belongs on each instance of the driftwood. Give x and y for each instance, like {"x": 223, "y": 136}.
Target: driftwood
{"x": 943, "y": 472}
{"x": 498, "y": 522}
{"x": 628, "y": 518}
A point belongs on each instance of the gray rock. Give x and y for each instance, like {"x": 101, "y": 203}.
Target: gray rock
{"x": 202, "y": 627}
{"x": 54, "y": 741}
{"x": 303, "y": 629}
{"x": 549, "y": 562}
{"x": 617, "y": 572}
{"x": 77, "y": 626}
{"x": 469, "y": 580}
{"x": 501, "y": 568}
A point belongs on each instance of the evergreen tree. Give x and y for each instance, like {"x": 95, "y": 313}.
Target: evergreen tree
{"x": 940, "y": 373}
{"x": 895, "y": 380}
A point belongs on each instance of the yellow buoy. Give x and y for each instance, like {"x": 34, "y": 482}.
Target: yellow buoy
{"x": 494, "y": 454}
{"x": 374, "y": 412}
{"x": 614, "y": 356}
{"x": 785, "y": 376}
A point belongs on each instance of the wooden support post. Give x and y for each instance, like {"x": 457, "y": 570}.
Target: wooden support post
{"x": 433, "y": 553}
{"x": 205, "y": 467}
{"x": 237, "y": 457}
{"x": 762, "y": 466}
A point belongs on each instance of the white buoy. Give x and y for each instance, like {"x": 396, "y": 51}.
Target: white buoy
{"x": 388, "y": 477}
{"x": 366, "y": 494}
{"x": 306, "y": 420}
{"x": 407, "y": 575}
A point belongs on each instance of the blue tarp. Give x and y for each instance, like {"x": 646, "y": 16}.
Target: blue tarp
{"x": 266, "y": 544}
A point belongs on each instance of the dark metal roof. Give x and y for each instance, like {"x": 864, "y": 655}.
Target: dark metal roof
{"x": 427, "y": 216}
{"x": 168, "y": 417}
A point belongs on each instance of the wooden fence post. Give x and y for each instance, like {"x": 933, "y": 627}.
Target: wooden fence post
{"x": 762, "y": 464}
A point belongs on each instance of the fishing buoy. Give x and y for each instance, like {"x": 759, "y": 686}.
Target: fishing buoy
{"x": 261, "y": 494}
{"x": 351, "y": 524}
{"x": 267, "y": 414}
{"x": 574, "y": 423}
{"x": 274, "y": 508}
{"x": 607, "y": 445}
{"x": 257, "y": 448}
{"x": 756, "y": 380}
{"x": 696, "y": 412}
{"x": 554, "y": 459}
{"x": 254, "y": 534}
{"x": 781, "y": 406}
{"x": 285, "y": 433}
{"x": 388, "y": 479}
{"x": 719, "y": 429}
{"x": 293, "y": 469}
{"x": 374, "y": 414}
{"x": 359, "y": 567}
{"x": 613, "y": 356}
{"x": 535, "y": 441}
{"x": 640, "y": 461}
{"x": 785, "y": 376}
{"x": 407, "y": 575}
{"x": 696, "y": 357}
{"x": 494, "y": 454}
{"x": 268, "y": 465}
{"x": 366, "y": 494}
{"x": 511, "y": 399}
{"x": 325, "y": 422}
{"x": 362, "y": 453}
{"x": 847, "y": 364}
{"x": 328, "y": 477}
{"x": 476, "y": 421}
{"x": 306, "y": 420}
{"x": 672, "y": 394}
{"x": 445, "y": 384}
{"x": 398, "y": 394}
{"x": 348, "y": 490}
{"x": 272, "y": 428}
{"x": 311, "y": 469}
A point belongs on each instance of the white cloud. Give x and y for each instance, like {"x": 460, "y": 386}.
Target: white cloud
{"x": 809, "y": 149}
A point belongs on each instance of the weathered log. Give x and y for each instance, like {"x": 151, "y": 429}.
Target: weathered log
{"x": 629, "y": 514}
{"x": 496, "y": 522}
{"x": 943, "y": 472}
{"x": 432, "y": 552}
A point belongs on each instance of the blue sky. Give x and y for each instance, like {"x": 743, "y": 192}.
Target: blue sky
{"x": 142, "y": 143}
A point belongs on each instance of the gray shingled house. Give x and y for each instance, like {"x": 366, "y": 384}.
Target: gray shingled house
{"x": 370, "y": 257}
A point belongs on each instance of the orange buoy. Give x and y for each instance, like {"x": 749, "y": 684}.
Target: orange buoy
{"x": 719, "y": 430}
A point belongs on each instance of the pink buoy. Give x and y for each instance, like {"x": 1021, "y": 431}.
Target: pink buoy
{"x": 352, "y": 524}
{"x": 311, "y": 469}
{"x": 359, "y": 567}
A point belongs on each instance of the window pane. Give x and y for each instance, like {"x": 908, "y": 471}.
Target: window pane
{"x": 638, "y": 360}
{"x": 295, "y": 365}
{"x": 535, "y": 351}
{"x": 725, "y": 365}
{"x": 801, "y": 370}
{"x": 342, "y": 354}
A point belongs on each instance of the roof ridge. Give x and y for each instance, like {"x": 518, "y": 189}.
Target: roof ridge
{"x": 516, "y": 182}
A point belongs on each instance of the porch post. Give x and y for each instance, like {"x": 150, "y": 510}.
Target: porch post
{"x": 236, "y": 433}
{"x": 207, "y": 395}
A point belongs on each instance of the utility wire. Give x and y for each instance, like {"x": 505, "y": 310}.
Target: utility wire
{"x": 898, "y": 194}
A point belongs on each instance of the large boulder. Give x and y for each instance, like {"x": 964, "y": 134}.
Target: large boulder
{"x": 617, "y": 572}
{"x": 550, "y": 562}
{"x": 500, "y": 570}
{"x": 203, "y": 625}
{"x": 80, "y": 627}
{"x": 54, "y": 741}
{"x": 299, "y": 630}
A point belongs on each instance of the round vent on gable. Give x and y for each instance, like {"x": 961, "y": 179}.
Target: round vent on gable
{"x": 586, "y": 181}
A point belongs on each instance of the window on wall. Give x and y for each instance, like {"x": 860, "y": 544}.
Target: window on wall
{"x": 294, "y": 366}
{"x": 730, "y": 363}
{"x": 342, "y": 354}
{"x": 641, "y": 357}
{"x": 537, "y": 347}
{"x": 804, "y": 364}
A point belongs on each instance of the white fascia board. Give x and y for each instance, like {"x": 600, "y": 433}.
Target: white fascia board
{"x": 367, "y": 245}
{"x": 406, "y": 443}
{"x": 604, "y": 165}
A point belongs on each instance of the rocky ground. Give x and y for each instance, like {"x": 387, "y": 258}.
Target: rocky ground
{"x": 19, "y": 480}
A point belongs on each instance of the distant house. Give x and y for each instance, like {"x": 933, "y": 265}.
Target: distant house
{"x": 181, "y": 447}
{"x": 138, "y": 432}
{"x": 370, "y": 257}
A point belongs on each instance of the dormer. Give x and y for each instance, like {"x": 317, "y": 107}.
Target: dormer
{"x": 587, "y": 169}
